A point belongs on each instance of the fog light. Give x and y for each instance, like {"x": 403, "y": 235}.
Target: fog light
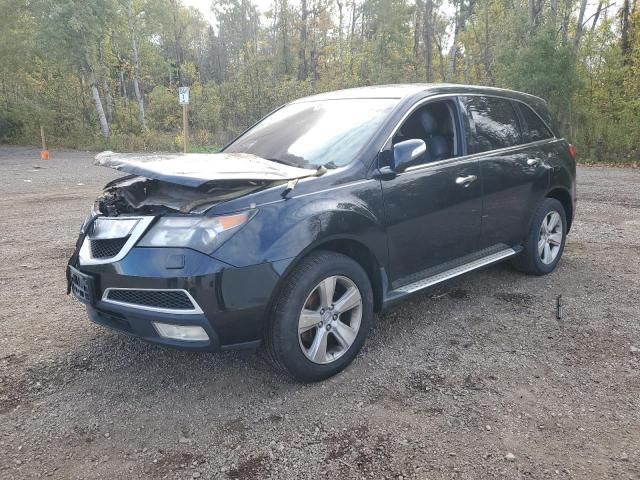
{"x": 181, "y": 332}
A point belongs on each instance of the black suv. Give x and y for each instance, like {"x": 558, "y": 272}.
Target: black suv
{"x": 328, "y": 209}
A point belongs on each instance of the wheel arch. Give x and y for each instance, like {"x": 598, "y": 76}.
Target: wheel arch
{"x": 352, "y": 248}
{"x": 564, "y": 197}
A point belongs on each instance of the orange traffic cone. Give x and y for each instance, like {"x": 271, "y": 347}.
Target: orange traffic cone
{"x": 44, "y": 155}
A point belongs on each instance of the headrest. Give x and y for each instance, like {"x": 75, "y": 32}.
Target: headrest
{"x": 428, "y": 122}
{"x": 438, "y": 148}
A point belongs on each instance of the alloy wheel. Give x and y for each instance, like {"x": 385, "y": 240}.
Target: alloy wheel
{"x": 330, "y": 319}
{"x": 550, "y": 239}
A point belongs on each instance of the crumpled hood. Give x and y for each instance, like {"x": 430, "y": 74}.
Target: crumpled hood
{"x": 195, "y": 169}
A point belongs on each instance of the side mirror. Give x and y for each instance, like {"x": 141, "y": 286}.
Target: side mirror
{"x": 408, "y": 153}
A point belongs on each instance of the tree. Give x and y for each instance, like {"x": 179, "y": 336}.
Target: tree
{"x": 97, "y": 71}
{"x": 86, "y": 24}
{"x": 131, "y": 20}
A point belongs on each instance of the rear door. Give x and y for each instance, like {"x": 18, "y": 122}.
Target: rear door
{"x": 514, "y": 175}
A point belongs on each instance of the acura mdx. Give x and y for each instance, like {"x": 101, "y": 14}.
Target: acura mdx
{"x": 327, "y": 210}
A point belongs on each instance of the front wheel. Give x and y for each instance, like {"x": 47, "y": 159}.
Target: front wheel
{"x": 545, "y": 240}
{"x": 321, "y": 317}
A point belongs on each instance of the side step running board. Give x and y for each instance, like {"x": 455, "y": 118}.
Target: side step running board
{"x": 454, "y": 272}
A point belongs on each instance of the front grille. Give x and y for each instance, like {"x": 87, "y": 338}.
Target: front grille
{"x": 165, "y": 299}
{"x": 107, "y": 248}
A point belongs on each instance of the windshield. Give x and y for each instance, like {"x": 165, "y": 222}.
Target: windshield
{"x": 316, "y": 133}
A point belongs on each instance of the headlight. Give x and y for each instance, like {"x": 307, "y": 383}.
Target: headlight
{"x": 200, "y": 233}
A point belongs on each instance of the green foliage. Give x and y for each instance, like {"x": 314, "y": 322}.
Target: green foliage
{"x": 163, "y": 113}
{"x": 11, "y": 126}
{"x": 535, "y": 62}
{"x": 249, "y": 62}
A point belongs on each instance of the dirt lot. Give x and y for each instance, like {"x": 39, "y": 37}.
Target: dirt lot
{"x": 474, "y": 379}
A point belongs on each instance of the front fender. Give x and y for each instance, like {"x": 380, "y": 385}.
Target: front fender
{"x": 289, "y": 228}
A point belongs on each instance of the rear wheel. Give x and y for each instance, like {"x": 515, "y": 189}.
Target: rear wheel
{"x": 321, "y": 317}
{"x": 545, "y": 240}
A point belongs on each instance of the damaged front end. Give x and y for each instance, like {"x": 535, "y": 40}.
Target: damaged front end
{"x": 163, "y": 203}
{"x": 186, "y": 183}
{"x": 144, "y": 196}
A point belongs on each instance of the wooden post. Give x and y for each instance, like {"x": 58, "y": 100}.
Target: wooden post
{"x": 185, "y": 126}
{"x": 44, "y": 154}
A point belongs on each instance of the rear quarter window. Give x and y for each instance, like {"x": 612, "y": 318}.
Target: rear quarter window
{"x": 534, "y": 128}
{"x": 494, "y": 123}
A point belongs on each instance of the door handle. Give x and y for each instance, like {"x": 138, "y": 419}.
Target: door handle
{"x": 466, "y": 181}
{"x": 533, "y": 162}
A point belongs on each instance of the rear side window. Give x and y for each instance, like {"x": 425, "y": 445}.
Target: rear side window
{"x": 534, "y": 129}
{"x": 495, "y": 121}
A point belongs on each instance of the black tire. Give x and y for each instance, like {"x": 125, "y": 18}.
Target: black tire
{"x": 282, "y": 344}
{"x": 530, "y": 261}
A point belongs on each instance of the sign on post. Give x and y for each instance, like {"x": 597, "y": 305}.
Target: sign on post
{"x": 183, "y": 99}
{"x": 183, "y": 95}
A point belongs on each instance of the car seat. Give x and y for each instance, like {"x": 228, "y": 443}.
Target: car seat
{"x": 437, "y": 145}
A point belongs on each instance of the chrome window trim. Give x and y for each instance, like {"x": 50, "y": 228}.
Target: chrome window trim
{"x": 443, "y": 96}
{"x": 453, "y": 160}
{"x": 85, "y": 257}
{"x": 195, "y": 310}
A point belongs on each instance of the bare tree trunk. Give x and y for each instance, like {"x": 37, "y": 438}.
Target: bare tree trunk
{"x": 302, "y": 50}
{"x": 625, "y": 41}
{"x": 136, "y": 66}
{"x": 222, "y": 52}
{"x": 428, "y": 40}
{"x": 340, "y": 21}
{"x": 453, "y": 51}
{"x": 314, "y": 63}
{"x": 579, "y": 26}
{"x": 340, "y": 37}
{"x": 487, "y": 44}
{"x": 417, "y": 30}
{"x": 95, "y": 94}
{"x": 105, "y": 84}
{"x": 177, "y": 35}
{"x": 354, "y": 18}
{"x": 531, "y": 13}
{"x": 565, "y": 20}
{"x": 439, "y": 49}
{"x": 553, "y": 17}
{"x": 352, "y": 47}
{"x": 314, "y": 54}
{"x": 83, "y": 98}
{"x": 123, "y": 87}
{"x": 274, "y": 43}
{"x": 284, "y": 33}
{"x": 596, "y": 17}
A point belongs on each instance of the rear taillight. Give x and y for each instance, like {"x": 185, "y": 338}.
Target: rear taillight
{"x": 572, "y": 151}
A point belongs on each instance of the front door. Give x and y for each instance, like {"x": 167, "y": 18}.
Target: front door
{"x": 433, "y": 210}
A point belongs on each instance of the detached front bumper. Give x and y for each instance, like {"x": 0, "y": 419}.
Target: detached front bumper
{"x": 229, "y": 304}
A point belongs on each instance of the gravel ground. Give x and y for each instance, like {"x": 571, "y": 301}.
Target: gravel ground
{"x": 473, "y": 379}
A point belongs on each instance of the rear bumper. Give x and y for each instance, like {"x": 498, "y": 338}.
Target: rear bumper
{"x": 232, "y": 302}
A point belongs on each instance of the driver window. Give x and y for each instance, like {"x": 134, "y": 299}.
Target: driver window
{"x": 434, "y": 123}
